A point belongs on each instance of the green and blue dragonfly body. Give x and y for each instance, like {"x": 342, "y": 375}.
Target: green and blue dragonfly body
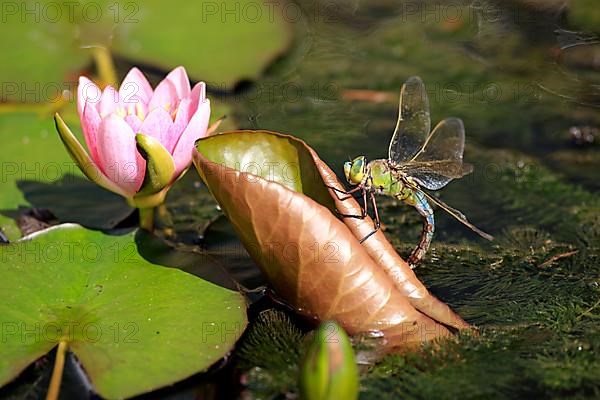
{"x": 418, "y": 158}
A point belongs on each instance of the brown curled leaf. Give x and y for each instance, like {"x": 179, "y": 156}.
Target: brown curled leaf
{"x": 383, "y": 252}
{"x": 270, "y": 188}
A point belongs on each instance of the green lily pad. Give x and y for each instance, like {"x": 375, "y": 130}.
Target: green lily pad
{"x": 133, "y": 325}
{"x": 37, "y": 171}
{"x": 54, "y": 39}
{"x": 41, "y": 66}
{"x": 201, "y": 35}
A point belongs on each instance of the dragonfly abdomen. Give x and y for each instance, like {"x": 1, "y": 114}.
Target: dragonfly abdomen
{"x": 417, "y": 199}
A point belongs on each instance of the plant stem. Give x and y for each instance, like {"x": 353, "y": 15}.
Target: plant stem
{"x": 59, "y": 364}
{"x": 43, "y": 109}
{"x": 147, "y": 218}
{"x": 105, "y": 65}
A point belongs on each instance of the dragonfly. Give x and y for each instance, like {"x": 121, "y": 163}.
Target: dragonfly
{"x": 418, "y": 158}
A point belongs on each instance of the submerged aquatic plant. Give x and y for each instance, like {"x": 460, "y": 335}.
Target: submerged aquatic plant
{"x": 139, "y": 140}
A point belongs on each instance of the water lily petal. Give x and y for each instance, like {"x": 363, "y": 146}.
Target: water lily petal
{"x": 195, "y": 130}
{"x": 174, "y": 115}
{"x": 165, "y": 97}
{"x": 181, "y": 120}
{"x": 118, "y": 154}
{"x": 179, "y": 78}
{"x": 90, "y": 123}
{"x": 81, "y": 158}
{"x": 109, "y": 102}
{"x": 134, "y": 87}
{"x": 134, "y": 122}
{"x": 87, "y": 91}
{"x": 158, "y": 124}
{"x": 197, "y": 96}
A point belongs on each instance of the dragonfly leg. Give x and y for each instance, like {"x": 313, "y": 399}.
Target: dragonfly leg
{"x": 377, "y": 221}
{"x": 348, "y": 193}
{"x": 423, "y": 207}
{"x": 364, "y": 208}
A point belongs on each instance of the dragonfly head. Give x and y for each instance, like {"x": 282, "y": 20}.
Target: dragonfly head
{"x": 355, "y": 170}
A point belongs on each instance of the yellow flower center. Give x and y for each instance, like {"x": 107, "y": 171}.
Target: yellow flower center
{"x": 137, "y": 111}
{"x": 173, "y": 113}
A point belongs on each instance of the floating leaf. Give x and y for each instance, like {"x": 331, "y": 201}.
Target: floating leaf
{"x": 47, "y": 55}
{"x": 36, "y": 171}
{"x": 55, "y": 40}
{"x": 201, "y": 35}
{"x": 133, "y": 325}
{"x": 311, "y": 258}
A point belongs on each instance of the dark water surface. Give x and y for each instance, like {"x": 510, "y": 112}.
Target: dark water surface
{"x": 524, "y": 75}
{"x": 525, "y": 84}
{"x": 525, "y": 78}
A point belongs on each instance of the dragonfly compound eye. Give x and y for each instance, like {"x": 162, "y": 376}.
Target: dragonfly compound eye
{"x": 356, "y": 171}
{"x": 347, "y": 168}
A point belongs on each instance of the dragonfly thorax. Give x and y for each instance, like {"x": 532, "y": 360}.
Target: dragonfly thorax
{"x": 378, "y": 176}
{"x": 383, "y": 178}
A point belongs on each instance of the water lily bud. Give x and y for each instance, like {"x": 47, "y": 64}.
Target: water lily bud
{"x": 139, "y": 140}
{"x": 329, "y": 370}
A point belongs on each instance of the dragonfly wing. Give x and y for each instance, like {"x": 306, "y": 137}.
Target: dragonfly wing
{"x": 445, "y": 142}
{"x": 431, "y": 181}
{"x": 413, "y": 123}
{"x": 434, "y": 175}
{"x": 456, "y": 214}
{"x": 440, "y": 159}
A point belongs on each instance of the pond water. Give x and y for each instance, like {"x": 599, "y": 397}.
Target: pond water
{"x": 523, "y": 81}
{"x": 524, "y": 76}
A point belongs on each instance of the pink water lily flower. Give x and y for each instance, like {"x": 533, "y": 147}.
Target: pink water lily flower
{"x": 174, "y": 114}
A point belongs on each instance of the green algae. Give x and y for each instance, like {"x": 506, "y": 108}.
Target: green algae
{"x": 534, "y": 291}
